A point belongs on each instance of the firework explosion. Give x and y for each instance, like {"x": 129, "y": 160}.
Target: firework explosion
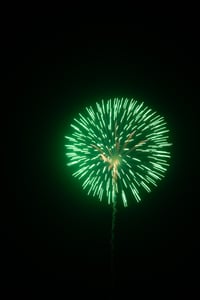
{"x": 119, "y": 147}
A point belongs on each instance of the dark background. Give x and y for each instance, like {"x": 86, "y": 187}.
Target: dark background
{"x": 54, "y": 231}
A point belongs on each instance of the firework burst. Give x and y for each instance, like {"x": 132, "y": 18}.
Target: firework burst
{"x": 120, "y": 146}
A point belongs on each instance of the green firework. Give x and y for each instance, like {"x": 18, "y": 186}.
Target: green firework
{"x": 119, "y": 146}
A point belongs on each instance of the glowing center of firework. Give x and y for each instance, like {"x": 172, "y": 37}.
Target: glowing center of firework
{"x": 114, "y": 162}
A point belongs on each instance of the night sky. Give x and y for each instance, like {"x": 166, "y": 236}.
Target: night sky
{"x": 58, "y": 233}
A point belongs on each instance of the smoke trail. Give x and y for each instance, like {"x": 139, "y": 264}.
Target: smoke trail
{"x": 114, "y": 211}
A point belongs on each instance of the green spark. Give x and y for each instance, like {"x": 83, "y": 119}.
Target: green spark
{"x": 118, "y": 146}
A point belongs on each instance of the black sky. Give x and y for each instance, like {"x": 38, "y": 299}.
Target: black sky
{"x": 59, "y": 233}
